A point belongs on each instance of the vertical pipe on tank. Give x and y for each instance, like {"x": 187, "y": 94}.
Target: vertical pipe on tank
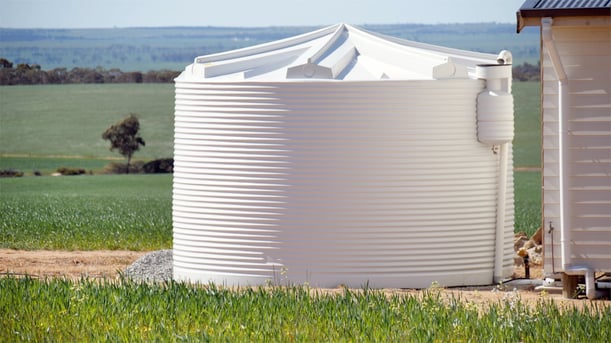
{"x": 495, "y": 127}
{"x": 500, "y": 213}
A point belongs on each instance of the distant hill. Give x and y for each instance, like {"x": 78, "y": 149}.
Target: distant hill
{"x": 144, "y": 49}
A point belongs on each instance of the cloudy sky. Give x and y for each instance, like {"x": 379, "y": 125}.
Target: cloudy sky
{"x": 251, "y": 13}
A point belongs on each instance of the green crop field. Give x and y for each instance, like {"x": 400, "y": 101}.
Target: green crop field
{"x": 86, "y": 212}
{"x": 527, "y": 197}
{"x": 68, "y": 120}
{"x": 527, "y": 141}
{"x": 90, "y": 311}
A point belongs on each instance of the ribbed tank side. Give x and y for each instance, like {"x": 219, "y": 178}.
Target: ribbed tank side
{"x": 380, "y": 182}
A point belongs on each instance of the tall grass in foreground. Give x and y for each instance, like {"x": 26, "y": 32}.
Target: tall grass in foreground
{"x": 62, "y": 310}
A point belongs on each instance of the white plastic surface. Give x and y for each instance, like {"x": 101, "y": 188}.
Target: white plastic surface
{"x": 373, "y": 175}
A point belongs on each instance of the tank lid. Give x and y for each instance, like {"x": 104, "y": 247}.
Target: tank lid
{"x": 338, "y": 52}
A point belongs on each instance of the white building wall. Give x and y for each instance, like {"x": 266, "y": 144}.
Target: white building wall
{"x": 585, "y": 52}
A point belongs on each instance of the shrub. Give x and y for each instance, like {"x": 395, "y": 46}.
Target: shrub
{"x": 71, "y": 171}
{"x": 159, "y": 166}
{"x": 11, "y": 173}
{"x": 121, "y": 168}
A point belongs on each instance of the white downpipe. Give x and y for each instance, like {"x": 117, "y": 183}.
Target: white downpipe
{"x": 500, "y": 213}
{"x": 565, "y": 234}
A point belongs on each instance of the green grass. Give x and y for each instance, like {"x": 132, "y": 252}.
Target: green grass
{"x": 68, "y": 120}
{"x": 527, "y": 141}
{"x": 62, "y": 310}
{"x": 527, "y": 195}
{"x": 86, "y": 212}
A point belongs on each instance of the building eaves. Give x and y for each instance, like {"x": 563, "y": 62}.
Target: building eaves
{"x": 561, "y": 8}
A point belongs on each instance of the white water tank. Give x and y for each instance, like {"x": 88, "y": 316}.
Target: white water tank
{"x": 337, "y": 157}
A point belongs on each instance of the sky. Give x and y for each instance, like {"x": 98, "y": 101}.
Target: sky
{"x": 248, "y": 13}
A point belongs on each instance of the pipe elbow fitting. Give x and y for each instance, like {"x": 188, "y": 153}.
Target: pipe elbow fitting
{"x": 546, "y": 29}
{"x": 504, "y": 57}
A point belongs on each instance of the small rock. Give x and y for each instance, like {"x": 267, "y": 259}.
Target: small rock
{"x": 529, "y": 244}
{"x": 519, "y": 242}
{"x": 534, "y": 256}
{"x": 154, "y": 266}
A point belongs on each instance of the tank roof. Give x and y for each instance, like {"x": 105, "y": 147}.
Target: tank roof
{"x": 338, "y": 52}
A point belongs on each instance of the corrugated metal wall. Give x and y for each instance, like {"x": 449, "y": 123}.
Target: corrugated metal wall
{"x": 585, "y": 53}
{"x": 334, "y": 183}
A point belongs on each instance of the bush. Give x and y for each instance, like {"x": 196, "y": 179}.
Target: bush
{"x": 159, "y": 166}
{"x": 11, "y": 173}
{"x": 71, "y": 171}
{"x": 527, "y": 72}
{"x": 121, "y": 168}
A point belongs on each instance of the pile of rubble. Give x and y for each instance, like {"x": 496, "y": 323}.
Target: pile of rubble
{"x": 533, "y": 246}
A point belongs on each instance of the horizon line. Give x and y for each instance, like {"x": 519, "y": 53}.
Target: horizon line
{"x": 248, "y": 27}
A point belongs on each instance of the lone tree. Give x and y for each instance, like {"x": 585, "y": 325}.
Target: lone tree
{"x": 123, "y": 135}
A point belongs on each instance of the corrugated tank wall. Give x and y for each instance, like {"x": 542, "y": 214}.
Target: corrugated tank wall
{"x": 378, "y": 182}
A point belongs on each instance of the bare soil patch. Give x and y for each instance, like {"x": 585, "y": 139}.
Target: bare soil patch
{"x": 108, "y": 264}
{"x": 68, "y": 264}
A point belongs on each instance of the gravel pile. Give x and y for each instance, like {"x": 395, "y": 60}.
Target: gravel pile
{"x": 153, "y": 267}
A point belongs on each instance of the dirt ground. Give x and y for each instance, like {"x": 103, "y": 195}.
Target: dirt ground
{"x": 70, "y": 264}
{"x": 109, "y": 263}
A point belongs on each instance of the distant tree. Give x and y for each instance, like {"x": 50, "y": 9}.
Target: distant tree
{"x": 527, "y": 72}
{"x": 33, "y": 74}
{"x": 123, "y": 136}
{"x": 4, "y": 63}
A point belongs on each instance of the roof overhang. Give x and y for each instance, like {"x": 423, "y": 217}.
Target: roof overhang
{"x": 532, "y": 11}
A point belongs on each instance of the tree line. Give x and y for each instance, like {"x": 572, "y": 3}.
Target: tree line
{"x": 527, "y": 72}
{"x": 33, "y": 74}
